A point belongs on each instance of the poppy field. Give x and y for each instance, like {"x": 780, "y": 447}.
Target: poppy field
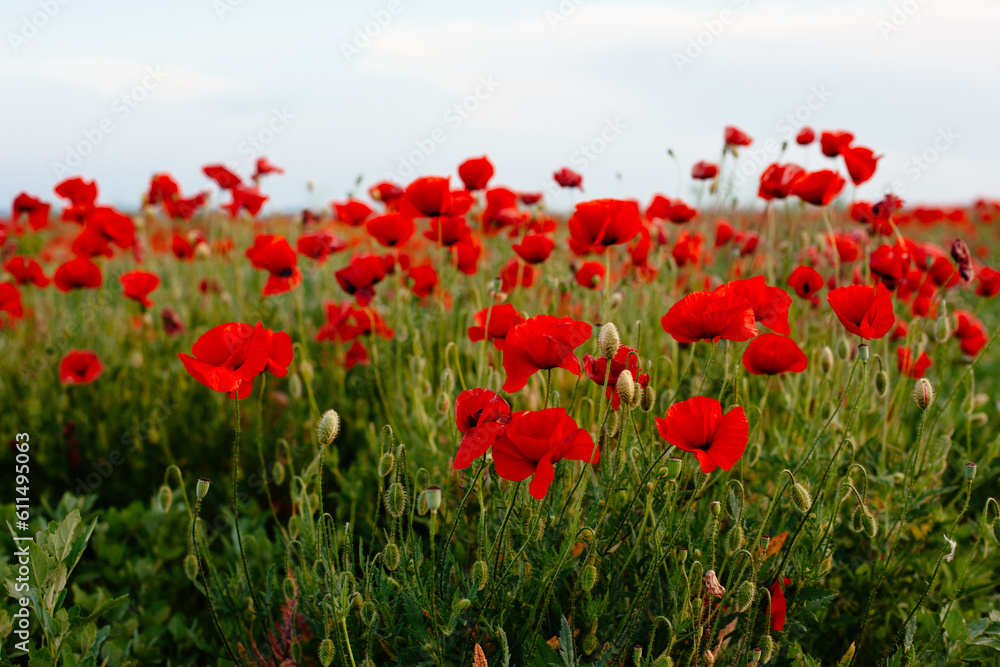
{"x": 441, "y": 423}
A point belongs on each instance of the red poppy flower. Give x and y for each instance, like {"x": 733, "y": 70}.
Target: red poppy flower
{"x": 832, "y": 143}
{"x": 352, "y": 212}
{"x": 771, "y": 354}
{"x": 769, "y": 304}
{"x": 162, "y": 188}
{"x": 678, "y": 212}
{"x": 890, "y": 263}
{"x": 533, "y": 442}
{"x": 860, "y": 162}
{"x": 26, "y": 270}
{"x": 988, "y": 282}
{"x": 448, "y": 230}
{"x": 10, "y": 303}
{"x": 79, "y": 273}
{"x": 388, "y": 193}
{"x": 228, "y": 357}
{"x": 82, "y": 197}
{"x": 657, "y": 208}
{"x": 805, "y": 136}
{"x": 847, "y": 247}
{"x": 970, "y": 332}
{"x": 529, "y": 198}
{"x": 422, "y": 279}
{"x": 710, "y": 316}
{"x": 172, "y": 324}
{"x": 737, "y": 137}
{"x": 36, "y": 210}
{"x": 245, "y": 198}
{"x": 391, "y": 230}
{"x": 534, "y": 248}
{"x": 466, "y": 255}
{"x": 501, "y": 319}
{"x": 778, "y": 180}
{"x": 481, "y": 416}
{"x": 806, "y": 282}
{"x": 818, "y": 187}
{"x": 863, "y": 310}
{"x": 704, "y": 171}
{"x": 104, "y": 226}
{"x": 915, "y": 370}
{"x": 360, "y": 277}
{"x": 861, "y": 212}
{"x": 138, "y": 285}
{"x": 264, "y": 167}
{"x": 272, "y": 253}
{"x": 723, "y": 232}
{"x": 567, "y": 178}
{"x": 542, "y": 342}
{"x": 319, "y": 245}
{"x": 625, "y": 359}
{"x": 604, "y": 222}
{"x": 697, "y": 425}
{"x": 225, "y": 178}
{"x": 430, "y": 196}
{"x": 80, "y": 367}
{"x": 514, "y": 273}
{"x": 779, "y": 606}
{"x": 590, "y": 275}
{"x": 185, "y": 209}
{"x": 475, "y": 173}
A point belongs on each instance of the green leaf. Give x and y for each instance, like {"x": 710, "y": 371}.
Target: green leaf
{"x": 954, "y": 625}
{"x": 566, "y": 649}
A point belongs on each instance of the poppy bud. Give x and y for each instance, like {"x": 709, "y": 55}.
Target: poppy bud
{"x": 637, "y": 655}
{"x": 328, "y": 428}
{"x": 395, "y": 500}
{"x": 745, "y": 595}
{"x": 734, "y": 541}
{"x": 326, "y": 652}
{"x": 433, "y": 498}
{"x": 857, "y": 522}
{"x": 826, "y": 359}
{"x": 461, "y": 605}
{"x": 970, "y": 471}
{"x": 390, "y": 555}
{"x": 869, "y": 524}
{"x": 357, "y": 602}
{"x": 295, "y": 385}
{"x": 590, "y": 643}
{"x": 306, "y": 368}
{"x": 996, "y": 529}
{"x": 164, "y": 498}
{"x": 588, "y": 577}
{"x": 191, "y": 567}
{"x": 766, "y": 649}
{"x": 613, "y": 423}
{"x": 443, "y": 403}
{"x": 716, "y": 508}
{"x": 844, "y": 349}
{"x": 447, "y": 380}
{"x": 616, "y": 297}
{"x": 202, "y": 488}
{"x": 881, "y": 383}
{"x": 801, "y": 498}
{"x": 278, "y": 472}
{"x": 609, "y": 340}
{"x": 979, "y": 419}
{"x": 674, "y": 466}
{"x": 480, "y": 574}
{"x": 585, "y": 535}
{"x": 923, "y": 393}
{"x": 625, "y": 388}
{"x": 288, "y": 588}
{"x": 863, "y": 353}
{"x": 942, "y": 329}
{"x": 648, "y": 399}
{"x": 386, "y": 464}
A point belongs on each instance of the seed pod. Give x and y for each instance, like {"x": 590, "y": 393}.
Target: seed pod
{"x": 480, "y": 574}
{"x": 637, "y": 655}
{"x": 745, "y": 594}
{"x": 869, "y": 524}
{"x": 801, "y": 498}
{"x": 648, "y": 399}
{"x": 844, "y": 349}
{"x": 674, "y": 466}
{"x": 202, "y": 488}
{"x": 164, "y": 498}
{"x": 826, "y": 359}
{"x": 863, "y": 353}
{"x": 682, "y": 555}
{"x": 395, "y": 500}
{"x": 386, "y": 464}
{"x": 766, "y": 649}
{"x": 716, "y": 508}
{"x": 923, "y": 393}
{"x": 609, "y": 340}
{"x": 390, "y": 556}
{"x": 328, "y": 428}
{"x": 734, "y": 541}
{"x": 755, "y": 657}
{"x": 625, "y": 388}
{"x": 881, "y": 383}
{"x": 326, "y": 650}
{"x": 588, "y": 577}
{"x": 433, "y": 498}
{"x": 191, "y": 567}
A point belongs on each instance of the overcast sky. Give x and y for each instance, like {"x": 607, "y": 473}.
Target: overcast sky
{"x": 117, "y": 90}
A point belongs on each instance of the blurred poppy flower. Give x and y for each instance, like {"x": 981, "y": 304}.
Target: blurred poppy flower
{"x": 225, "y": 178}
{"x": 448, "y": 230}
{"x": 26, "y": 270}
{"x": 429, "y": 195}
{"x": 805, "y": 136}
{"x": 988, "y": 282}
{"x": 10, "y": 303}
{"x": 863, "y": 310}
{"x": 723, "y": 232}
{"x": 771, "y": 354}
{"x": 319, "y": 245}
{"x": 500, "y": 319}
{"x": 710, "y": 316}
{"x": 475, "y": 173}
{"x": 529, "y": 198}
{"x": 264, "y": 167}
{"x": 604, "y": 222}
{"x": 534, "y": 248}
{"x": 36, "y": 210}
{"x": 391, "y": 230}
{"x": 779, "y": 605}
{"x": 687, "y": 248}
{"x": 915, "y": 370}
{"x": 244, "y": 198}
{"x": 704, "y": 171}
{"x": 970, "y": 332}
{"x": 138, "y": 285}
{"x": 697, "y": 425}
{"x": 465, "y": 255}
{"x": 513, "y": 274}
{"x": 567, "y": 178}
{"x": 481, "y": 416}
{"x": 79, "y": 273}
{"x": 860, "y": 162}
{"x": 542, "y": 342}
{"x": 818, "y": 187}
{"x": 778, "y": 180}
{"x": 82, "y": 197}
{"x": 80, "y": 367}
{"x": 104, "y": 226}
{"x": 625, "y": 359}
{"x": 228, "y": 357}
{"x": 806, "y": 281}
{"x": 388, "y": 193}
{"x": 737, "y": 137}
{"x": 352, "y": 212}
{"x": 360, "y": 277}
{"x": 770, "y": 304}
{"x": 422, "y": 280}
{"x": 501, "y": 210}
{"x": 533, "y": 442}
{"x": 831, "y": 143}
{"x": 890, "y": 263}
{"x": 590, "y": 275}
{"x": 272, "y": 253}
{"x": 182, "y": 248}
{"x": 172, "y": 324}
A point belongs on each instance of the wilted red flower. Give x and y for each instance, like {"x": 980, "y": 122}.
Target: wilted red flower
{"x": 737, "y": 137}
{"x": 860, "y": 162}
{"x": 26, "y": 270}
{"x": 36, "y": 210}
{"x": 770, "y": 304}
{"x": 806, "y": 282}
{"x": 779, "y": 605}
{"x": 567, "y": 178}
{"x": 863, "y": 310}
{"x": 138, "y": 285}
{"x": 272, "y": 253}
{"x": 352, "y": 212}
{"x": 988, "y": 281}
{"x": 697, "y": 425}
{"x": 429, "y": 195}
{"x": 319, "y": 245}
{"x": 79, "y": 273}
{"x": 534, "y": 248}
{"x": 10, "y": 303}
{"x": 481, "y": 416}
{"x": 960, "y": 253}
{"x": 603, "y": 222}
{"x": 805, "y": 136}
{"x": 264, "y": 167}
{"x": 915, "y": 370}
{"x": 704, "y": 171}
{"x": 391, "y": 230}
{"x": 228, "y": 357}
{"x": 625, "y": 358}
{"x": 533, "y": 442}
{"x": 80, "y": 367}
{"x": 832, "y": 143}
{"x": 475, "y": 173}
{"x": 771, "y": 354}
{"x": 542, "y": 342}
{"x": 500, "y": 318}
{"x": 778, "y": 180}
{"x": 970, "y": 332}
{"x": 172, "y": 324}
{"x": 818, "y": 187}
{"x": 448, "y": 230}
{"x": 590, "y": 275}
{"x": 710, "y": 316}
{"x": 225, "y": 178}
{"x": 422, "y": 279}
{"x": 360, "y": 277}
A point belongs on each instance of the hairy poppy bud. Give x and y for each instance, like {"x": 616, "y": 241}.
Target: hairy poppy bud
{"x": 613, "y": 423}
{"x": 734, "y": 541}
{"x": 357, "y": 602}
{"x": 164, "y": 498}
{"x": 801, "y": 498}
{"x": 588, "y": 577}
{"x": 863, "y": 353}
{"x": 970, "y": 471}
{"x": 996, "y": 529}
{"x": 844, "y": 349}
{"x": 295, "y": 385}
{"x": 443, "y": 402}
{"x": 306, "y": 369}
{"x": 674, "y": 466}
{"x": 857, "y": 520}
{"x": 625, "y": 388}
{"x": 191, "y": 567}
{"x": 590, "y": 643}
{"x": 328, "y": 428}
{"x": 202, "y": 488}
{"x": 386, "y": 464}
{"x": 766, "y": 649}
{"x": 609, "y": 340}
{"x": 648, "y": 399}
{"x": 881, "y": 383}
{"x": 447, "y": 380}
{"x": 461, "y": 605}
{"x": 745, "y": 595}
{"x": 433, "y": 498}
{"x": 869, "y": 524}
{"x": 480, "y": 574}
{"x": 395, "y": 500}
{"x": 585, "y": 535}
{"x": 326, "y": 650}
{"x": 826, "y": 359}
{"x": 390, "y": 555}
{"x": 288, "y": 588}
{"x": 923, "y": 393}
{"x": 942, "y": 329}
